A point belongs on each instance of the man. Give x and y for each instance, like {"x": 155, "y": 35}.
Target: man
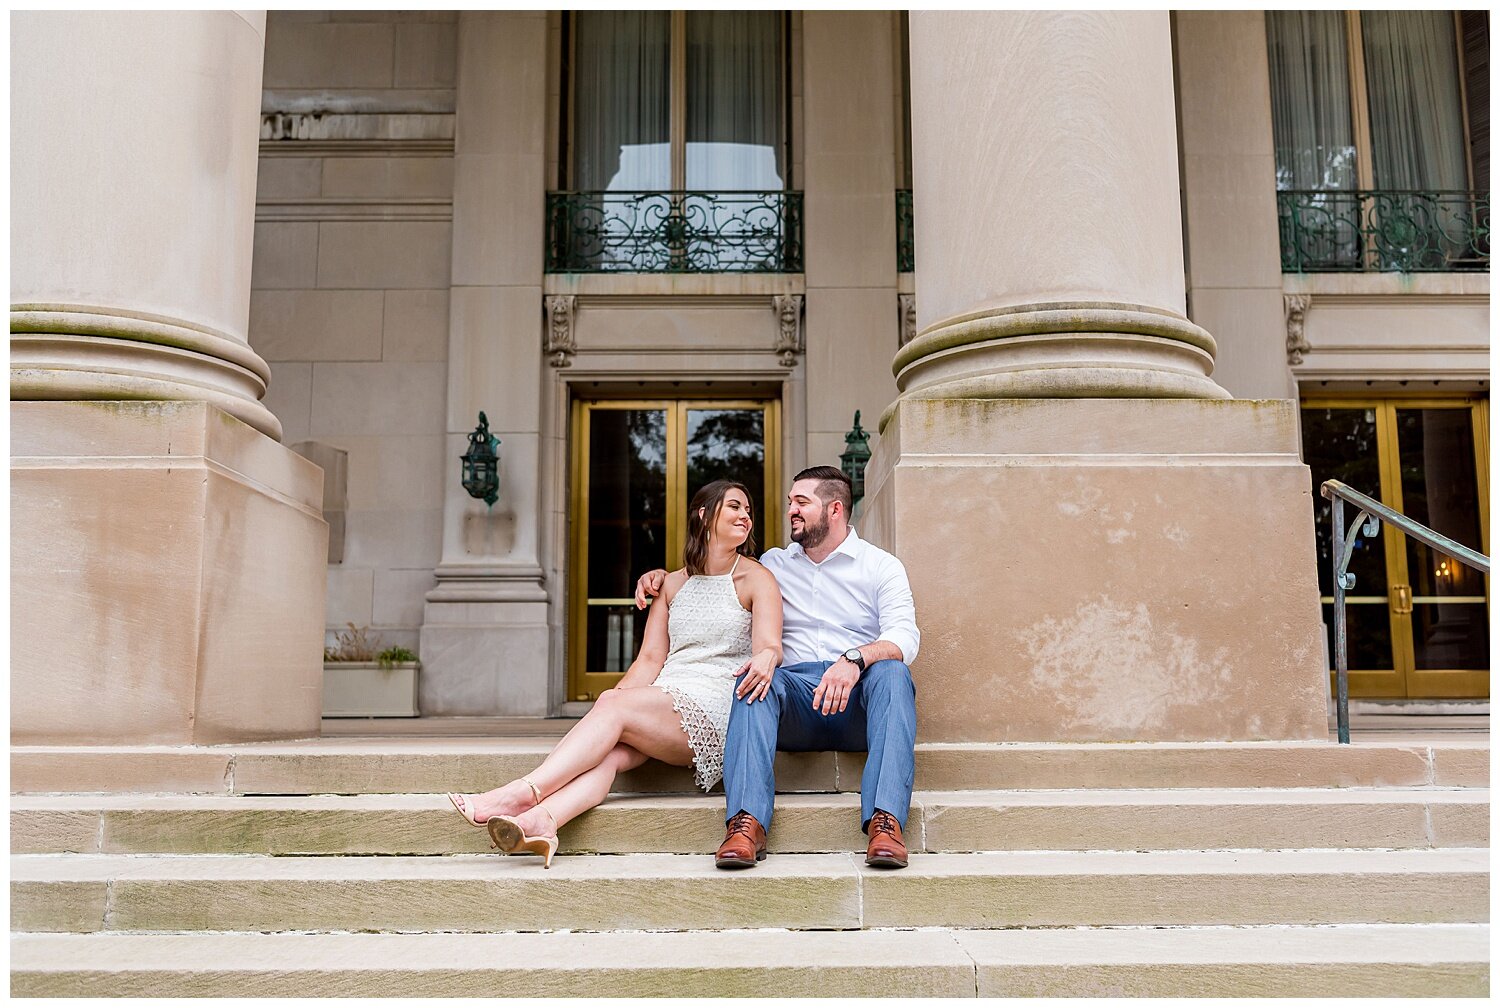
{"x": 849, "y": 633}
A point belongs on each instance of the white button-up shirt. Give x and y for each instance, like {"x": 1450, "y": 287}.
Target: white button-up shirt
{"x": 857, "y": 595}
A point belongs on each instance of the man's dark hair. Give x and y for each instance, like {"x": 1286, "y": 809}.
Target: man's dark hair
{"x": 833, "y": 485}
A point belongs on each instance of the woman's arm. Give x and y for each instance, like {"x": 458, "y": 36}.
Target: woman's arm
{"x": 655, "y": 643}
{"x": 765, "y": 636}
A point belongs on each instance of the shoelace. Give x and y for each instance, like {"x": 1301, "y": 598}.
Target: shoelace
{"x": 883, "y": 822}
{"x": 742, "y": 823}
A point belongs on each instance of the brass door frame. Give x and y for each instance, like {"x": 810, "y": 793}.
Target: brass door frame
{"x": 1404, "y": 679}
{"x": 767, "y": 531}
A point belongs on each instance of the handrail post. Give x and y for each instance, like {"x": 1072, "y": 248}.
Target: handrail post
{"x": 1340, "y": 627}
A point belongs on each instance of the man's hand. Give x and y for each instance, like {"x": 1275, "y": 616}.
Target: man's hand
{"x": 832, "y": 694}
{"x": 649, "y": 586}
{"x": 756, "y": 673}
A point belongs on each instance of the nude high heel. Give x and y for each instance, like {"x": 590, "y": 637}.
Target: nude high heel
{"x": 507, "y": 834}
{"x": 458, "y": 801}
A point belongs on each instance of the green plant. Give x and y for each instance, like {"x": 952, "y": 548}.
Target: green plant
{"x": 356, "y": 645}
{"x": 393, "y": 656}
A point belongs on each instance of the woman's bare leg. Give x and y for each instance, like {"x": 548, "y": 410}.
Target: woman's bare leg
{"x": 642, "y": 717}
{"x": 581, "y": 793}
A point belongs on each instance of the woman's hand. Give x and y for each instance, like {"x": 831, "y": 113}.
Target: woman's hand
{"x": 755, "y": 675}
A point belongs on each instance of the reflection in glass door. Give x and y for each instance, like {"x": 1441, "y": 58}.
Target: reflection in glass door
{"x": 1418, "y": 622}
{"x": 636, "y": 464}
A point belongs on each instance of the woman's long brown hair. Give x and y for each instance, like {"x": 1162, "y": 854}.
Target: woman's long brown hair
{"x": 710, "y": 500}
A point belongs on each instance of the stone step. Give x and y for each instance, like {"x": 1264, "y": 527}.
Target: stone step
{"x": 1343, "y": 961}
{"x": 956, "y": 821}
{"x": 1006, "y": 889}
{"x": 427, "y": 765}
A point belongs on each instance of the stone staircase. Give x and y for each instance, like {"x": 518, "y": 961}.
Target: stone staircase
{"x": 335, "y": 867}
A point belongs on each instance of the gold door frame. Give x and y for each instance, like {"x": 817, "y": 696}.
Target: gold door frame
{"x": 767, "y": 530}
{"x": 1404, "y": 679}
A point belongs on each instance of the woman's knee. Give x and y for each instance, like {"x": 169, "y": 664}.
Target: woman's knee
{"x": 777, "y": 689}
{"x": 624, "y": 757}
{"x": 608, "y": 706}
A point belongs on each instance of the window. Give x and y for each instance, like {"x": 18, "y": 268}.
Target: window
{"x": 677, "y": 151}
{"x": 1372, "y": 150}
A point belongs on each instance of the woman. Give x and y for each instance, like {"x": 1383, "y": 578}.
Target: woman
{"x": 722, "y": 609}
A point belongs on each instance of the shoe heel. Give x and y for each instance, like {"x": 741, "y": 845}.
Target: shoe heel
{"x": 546, "y": 847}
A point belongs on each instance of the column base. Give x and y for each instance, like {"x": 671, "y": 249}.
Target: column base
{"x": 1105, "y": 570}
{"x": 1073, "y": 350}
{"x": 485, "y": 658}
{"x": 168, "y": 577}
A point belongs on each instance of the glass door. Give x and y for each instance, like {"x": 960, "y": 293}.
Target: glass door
{"x": 1418, "y": 622}
{"x": 636, "y": 464}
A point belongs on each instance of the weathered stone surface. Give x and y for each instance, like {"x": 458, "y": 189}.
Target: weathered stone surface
{"x": 1190, "y": 819}
{"x": 1332, "y": 961}
{"x": 954, "y": 821}
{"x": 432, "y": 765}
{"x": 57, "y": 905}
{"x": 718, "y": 964}
{"x": 650, "y": 892}
{"x": 54, "y": 830}
{"x": 1345, "y": 961}
{"x": 1054, "y": 889}
{"x": 1462, "y": 765}
{"x": 1456, "y": 824}
{"x": 1169, "y": 765}
{"x": 187, "y": 769}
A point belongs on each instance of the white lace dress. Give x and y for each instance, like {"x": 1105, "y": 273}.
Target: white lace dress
{"x": 710, "y": 633}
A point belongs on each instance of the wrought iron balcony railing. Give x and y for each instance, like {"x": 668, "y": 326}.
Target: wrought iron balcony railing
{"x": 1383, "y": 231}
{"x": 906, "y": 253}
{"x": 674, "y": 232}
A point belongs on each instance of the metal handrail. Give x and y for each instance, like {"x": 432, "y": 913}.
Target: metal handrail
{"x": 1371, "y": 513}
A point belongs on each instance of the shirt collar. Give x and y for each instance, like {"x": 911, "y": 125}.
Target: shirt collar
{"x": 852, "y": 546}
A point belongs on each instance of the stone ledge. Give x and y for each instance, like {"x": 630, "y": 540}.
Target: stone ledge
{"x": 796, "y": 891}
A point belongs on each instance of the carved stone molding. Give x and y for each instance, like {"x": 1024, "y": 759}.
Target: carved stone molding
{"x": 789, "y": 343}
{"x": 1296, "y": 306}
{"x": 558, "y": 342}
{"x": 907, "y": 310}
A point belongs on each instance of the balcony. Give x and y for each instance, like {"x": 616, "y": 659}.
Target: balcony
{"x": 1383, "y": 231}
{"x": 674, "y": 232}
{"x": 906, "y": 256}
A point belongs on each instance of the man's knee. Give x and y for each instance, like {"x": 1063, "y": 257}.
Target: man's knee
{"x": 889, "y": 675}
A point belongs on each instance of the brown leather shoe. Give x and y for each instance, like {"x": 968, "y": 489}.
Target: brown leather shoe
{"x": 744, "y": 843}
{"x": 887, "y": 849}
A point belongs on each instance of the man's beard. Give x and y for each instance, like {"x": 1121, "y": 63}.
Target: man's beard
{"x": 812, "y": 535}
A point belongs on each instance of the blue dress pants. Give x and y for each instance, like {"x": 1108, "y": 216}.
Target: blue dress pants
{"x": 881, "y": 719}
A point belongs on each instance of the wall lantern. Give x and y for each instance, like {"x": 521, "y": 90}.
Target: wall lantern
{"x": 482, "y": 463}
{"x": 856, "y": 456}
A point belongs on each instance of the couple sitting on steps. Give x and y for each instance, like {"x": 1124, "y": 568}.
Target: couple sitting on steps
{"x": 710, "y": 687}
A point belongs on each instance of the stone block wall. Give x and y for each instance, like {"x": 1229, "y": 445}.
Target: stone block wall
{"x": 350, "y": 285}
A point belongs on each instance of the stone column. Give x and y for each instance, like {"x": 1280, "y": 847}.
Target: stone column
{"x": 168, "y": 557}
{"x": 1102, "y": 548}
{"x": 485, "y": 639}
{"x": 1048, "y": 238}
{"x": 133, "y": 207}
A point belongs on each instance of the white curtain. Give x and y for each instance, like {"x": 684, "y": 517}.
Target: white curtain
{"x": 734, "y": 101}
{"x": 1310, "y": 118}
{"x": 621, "y": 106}
{"x": 1411, "y": 68}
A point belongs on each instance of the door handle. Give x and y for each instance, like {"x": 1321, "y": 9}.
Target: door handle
{"x": 1401, "y": 599}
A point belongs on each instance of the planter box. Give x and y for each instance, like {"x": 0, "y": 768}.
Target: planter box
{"x": 364, "y": 689}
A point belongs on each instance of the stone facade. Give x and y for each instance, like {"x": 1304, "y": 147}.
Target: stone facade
{"x": 397, "y": 288}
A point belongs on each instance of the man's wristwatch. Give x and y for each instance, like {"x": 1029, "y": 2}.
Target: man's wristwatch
{"x": 858, "y": 659}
